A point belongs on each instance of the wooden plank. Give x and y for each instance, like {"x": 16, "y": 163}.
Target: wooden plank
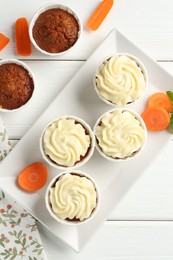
{"x": 14, "y": 142}
{"x": 49, "y": 84}
{"x": 150, "y": 198}
{"x": 148, "y": 24}
{"x": 118, "y": 240}
{"x": 83, "y": 8}
{"x": 150, "y": 30}
{"x": 51, "y": 77}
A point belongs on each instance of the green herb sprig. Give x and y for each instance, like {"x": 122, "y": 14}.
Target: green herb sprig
{"x": 170, "y": 95}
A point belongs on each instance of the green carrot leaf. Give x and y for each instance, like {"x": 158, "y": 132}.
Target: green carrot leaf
{"x": 171, "y": 124}
{"x": 170, "y": 95}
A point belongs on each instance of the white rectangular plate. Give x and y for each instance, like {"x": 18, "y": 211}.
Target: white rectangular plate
{"x": 114, "y": 179}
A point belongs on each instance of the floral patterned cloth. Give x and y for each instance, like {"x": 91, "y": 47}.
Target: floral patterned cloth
{"x": 5, "y": 146}
{"x": 19, "y": 237}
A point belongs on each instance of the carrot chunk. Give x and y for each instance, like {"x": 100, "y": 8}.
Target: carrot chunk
{"x": 23, "y": 42}
{"x": 3, "y": 41}
{"x": 33, "y": 177}
{"x": 160, "y": 99}
{"x": 99, "y": 14}
{"x": 156, "y": 118}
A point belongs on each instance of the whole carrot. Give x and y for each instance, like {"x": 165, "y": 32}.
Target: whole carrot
{"x": 99, "y": 14}
{"x": 23, "y": 42}
{"x": 3, "y": 41}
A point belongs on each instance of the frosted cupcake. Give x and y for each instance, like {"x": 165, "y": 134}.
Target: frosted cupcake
{"x": 67, "y": 142}
{"x": 72, "y": 197}
{"x": 120, "y": 79}
{"x": 120, "y": 134}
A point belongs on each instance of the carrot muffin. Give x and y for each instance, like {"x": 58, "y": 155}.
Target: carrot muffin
{"x": 66, "y": 142}
{"x": 120, "y": 79}
{"x": 16, "y": 86}
{"x": 73, "y": 197}
{"x": 120, "y": 134}
{"x": 55, "y": 30}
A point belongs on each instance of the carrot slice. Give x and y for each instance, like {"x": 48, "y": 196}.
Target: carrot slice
{"x": 23, "y": 42}
{"x": 160, "y": 99}
{"x": 33, "y": 177}
{"x": 3, "y": 41}
{"x": 99, "y": 14}
{"x": 156, "y": 118}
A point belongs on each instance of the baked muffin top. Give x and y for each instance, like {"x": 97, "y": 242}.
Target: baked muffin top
{"x": 16, "y": 86}
{"x": 55, "y": 30}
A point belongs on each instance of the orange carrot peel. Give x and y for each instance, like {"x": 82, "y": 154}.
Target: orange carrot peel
{"x": 23, "y": 42}
{"x": 99, "y": 14}
{"x": 33, "y": 177}
{"x": 3, "y": 41}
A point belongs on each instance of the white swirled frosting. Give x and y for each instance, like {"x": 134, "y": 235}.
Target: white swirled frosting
{"x": 120, "y": 134}
{"x": 65, "y": 141}
{"x": 120, "y": 80}
{"x": 73, "y": 197}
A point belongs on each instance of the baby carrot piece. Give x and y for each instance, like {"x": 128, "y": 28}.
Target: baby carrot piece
{"x": 156, "y": 118}
{"x": 33, "y": 177}
{"x": 99, "y": 14}
{"x": 160, "y": 99}
{"x": 3, "y": 41}
{"x": 23, "y": 42}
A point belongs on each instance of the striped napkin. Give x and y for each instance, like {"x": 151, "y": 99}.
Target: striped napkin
{"x": 19, "y": 236}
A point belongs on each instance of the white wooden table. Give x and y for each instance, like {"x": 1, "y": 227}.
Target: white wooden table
{"x": 141, "y": 227}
